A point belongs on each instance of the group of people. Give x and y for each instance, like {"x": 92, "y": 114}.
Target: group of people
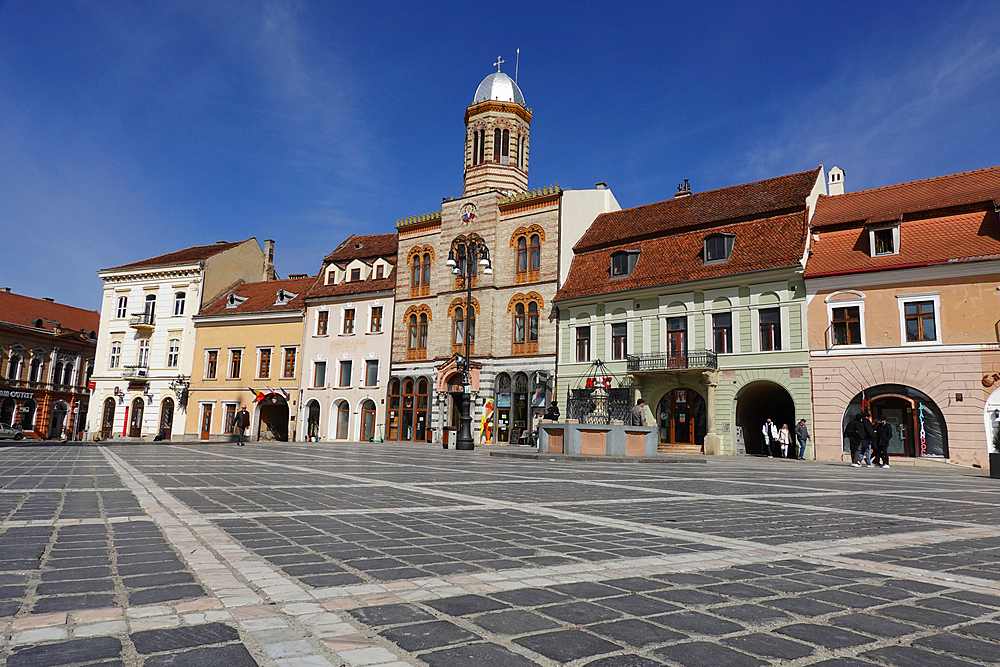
{"x": 779, "y": 440}
{"x": 865, "y": 437}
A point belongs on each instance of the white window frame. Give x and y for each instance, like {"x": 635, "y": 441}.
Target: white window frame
{"x": 343, "y": 319}
{"x": 176, "y": 353}
{"x": 229, "y": 363}
{"x": 312, "y": 374}
{"x": 371, "y": 308}
{"x": 895, "y": 240}
{"x": 316, "y": 333}
{"x": 378, "y": 371}
{"x": 902, "y": 300}
{"x": 859, "y": 301}
{"x": 115, "y": 356}
{"x": 284, "y": 356}
{"x": 340, "y": 366}
{"x": 256, "y": 372}
{"x": 121, "y": 308}
{"x": 204, "y": 373}
{"x": 180, "y": 298}
{"x": 224, "y": 405}
{"x": 144, "y": 346}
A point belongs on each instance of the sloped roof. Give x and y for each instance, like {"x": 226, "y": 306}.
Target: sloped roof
{"x": 26, "y": 311}
{"x": 347, "y": 287}
{"x": 890, "y": 202}
{"x": 761, "y": 198}
{"x": 261, "y": 297}
{"x": 185, "y": 256}
{"x": 762, "y": 243}
{"x": 367, "y": 246}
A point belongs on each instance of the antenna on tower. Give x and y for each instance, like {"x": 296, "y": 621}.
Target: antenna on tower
{"x": 517, "y": 60}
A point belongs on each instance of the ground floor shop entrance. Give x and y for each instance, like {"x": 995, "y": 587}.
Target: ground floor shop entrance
{"x": 407, "y": 418}
{"x": 681, "y": 418}
{"x": 272, "y": 419}
{"x": 918, "y": 426}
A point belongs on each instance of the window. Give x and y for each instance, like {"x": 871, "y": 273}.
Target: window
{"x": 583, "y": 344}
{"x": 497, "y": 134}
{"x": 884, "y": 241}
{"x": 35, "y": 370}
{"x": 68, "y": 374}
{"x": 722, "y": 332}
{"x": 122, "y": 307}
{"x": 376, "y": 323}
{"x": 532, "y": 322}
{"x": 343, "y": 420}
{"x": 847, "y": 326}
{"x": 623, "y": 263}
{"x": 519, "y": 328}
{"x": 520, "y": 151}
{"x": 417, "y": 336}
{"x": 235, "y": 363}
{"x": 423, "y": 331}
{"x": 719, "y": 247}
{"x": 211, "y": 364}
{"x": 348, "y": 320}
{"x": 426, "y": 280}
{"x": 57, "y": 372}
{"x": 677, "y": 337}
{"x": 920, "y": 325}
{"x": 179, "y": 299}
{"x": 459, "y": 327}
{"x": 535, "y": 253}
{"x": 522, "y": 258}
{"x": 770, "y": 329}
{"x": 371, "y": 372}
{"x": 173, "y": 352}
{"x": 228, "y": 423}
{"x": 355, "y": 275}
{"x": 619, "y": 336}
{"x": 150, "y": 306}
{"x": 416, "y": 273}
{"x": 479, "y": 147}
{"x": 264, "y": 362}
{"x": 505, "y": 147}
{"x": 14, "y": 366}
{"x": 288, "y": 368}
{"x": 142, "y": 360}
{"x": 322, "y": 322}
{"x": 379, "y": 271}
{"x": 116, "y": 355}
{"x": 319, "y": 374}
{"x": 346, "y": 371}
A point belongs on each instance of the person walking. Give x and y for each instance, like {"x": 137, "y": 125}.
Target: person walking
{"x": 784, "y": 439}
{"x": 240, "y": 422}
{"x": 883, "y": 435}
{"x": 867, "y": 437}
{"x": 639, "y": 413}
{"x": 770, "y": 431}
{"x": 853, "y": 432}
{"x": 802, "y": 435}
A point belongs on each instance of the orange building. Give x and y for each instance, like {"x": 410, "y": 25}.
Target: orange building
{"x": 904, "y": 314}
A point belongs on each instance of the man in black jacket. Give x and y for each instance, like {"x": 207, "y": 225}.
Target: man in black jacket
{"x": 240, "y": 423}
{"x": 867, "y": 437}
{"x": 883, "y": 435}
{"x": 853, "y": 432}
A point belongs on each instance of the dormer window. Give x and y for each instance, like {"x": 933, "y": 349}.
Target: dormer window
{"x": 234, "y": 301}
{"x": 884, "y": 241}
{"x": 355, "y": 275}
{"x": 718, "y": 248}
{"x": 283, "y": 297}
{"x": 379, "y": 271}
{"x": 623, "y": 263}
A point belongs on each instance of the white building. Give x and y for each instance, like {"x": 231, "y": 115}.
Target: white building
{"x": 146, "y": 342}
{"x": 347, "y": 342}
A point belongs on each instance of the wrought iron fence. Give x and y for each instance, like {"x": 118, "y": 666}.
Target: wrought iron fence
{"x": 600, "y": 405}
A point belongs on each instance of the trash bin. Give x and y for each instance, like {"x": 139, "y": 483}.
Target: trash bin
{"x": 446, "y": 435}
{"x": 430, "y": 435}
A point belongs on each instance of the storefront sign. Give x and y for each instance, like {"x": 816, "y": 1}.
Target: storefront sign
{"x": 598, "y": 382}
{"x": 991, "y": 379}
{"x": 10, "y": 393}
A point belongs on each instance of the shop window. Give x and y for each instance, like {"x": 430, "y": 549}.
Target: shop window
{"x": 343, "y": 420}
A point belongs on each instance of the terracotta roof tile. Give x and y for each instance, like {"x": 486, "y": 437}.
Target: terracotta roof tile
{"x": 346, "y": 287}
{"x": 192, "y": 254}
{"x": 767, "y": 197}
{"x": 888, "y": 203}
{"x": 371, "y": 246}
{"x": 26, "y": 311}
{"x": 261, "y": 297}
{"x": 763, "y": 243}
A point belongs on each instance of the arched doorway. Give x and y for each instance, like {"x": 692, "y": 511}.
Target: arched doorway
{"x": 392, "y": 424}
{"x": 368, "y": 421}
{"x": 519, "y": 406}
{"x": 681, "y": 417}
{"x": 312, "y": 420}
{"x": 57, "y": 421}
{"x": 918, "y": 425}
{"x": 272, "y": 418}
{"x": 757, "y": 402}
{"x": 166, "y": 418}
{"x": 108, "y": 418}
{"x": 455, "y": 390}
{"x": 27, "y": 420}
{"x": 7, "y": 411}
{"x": 503, "y": 408}
{"x": 341, "y": 420}
{"x": 135, "y": 418}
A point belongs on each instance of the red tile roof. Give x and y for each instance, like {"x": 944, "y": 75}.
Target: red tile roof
{"x": 888, "y": 203}
{"x": 26, "y": 311}
{"x": 346, "y": 287}
{"x": 185, "y": 256}
{"x": 368, "y": 246}
{"x": 768, "y": 197}
{"x": 261, "y": 297}
{"x": 762, "y": 243}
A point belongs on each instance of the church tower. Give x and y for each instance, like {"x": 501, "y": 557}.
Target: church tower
{"x": 496, "y": 137}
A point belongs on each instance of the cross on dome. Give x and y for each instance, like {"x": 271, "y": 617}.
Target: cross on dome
{"x": 500, "y": 61}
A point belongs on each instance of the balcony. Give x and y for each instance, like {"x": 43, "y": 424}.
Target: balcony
{"x": 665, "y": 361}
{"x": 141, "y": 321}
{"x": 136, "y": 371}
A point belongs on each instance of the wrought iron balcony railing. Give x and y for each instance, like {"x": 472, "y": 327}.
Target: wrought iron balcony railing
{"x": 141, "y": 320}
{"x": 665, "y": 361}
{"x": 136, "y": 371}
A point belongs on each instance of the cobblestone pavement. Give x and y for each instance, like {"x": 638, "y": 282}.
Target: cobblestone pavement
{"x": 316, "y": 555}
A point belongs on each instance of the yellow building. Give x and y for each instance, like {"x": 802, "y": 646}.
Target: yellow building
{"x": 247, "y": 352}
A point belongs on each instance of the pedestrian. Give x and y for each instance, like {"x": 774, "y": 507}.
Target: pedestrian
{"x": 770, "y": 431}
{"x": 639, "y": 413}
{"x": 552, "y": 412}
{"x": 784, "y": 439}
{"x": 853, "y": 432}
{"x": 883, "y": 434}
{"x": 867, "y": 437}
{"x": 802, "y": 435}
{"x": 240, "y": 422}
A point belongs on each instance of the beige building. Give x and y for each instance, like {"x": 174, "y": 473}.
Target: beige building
{"x": 248, "y": 352}
{"x": 902, "y": 285}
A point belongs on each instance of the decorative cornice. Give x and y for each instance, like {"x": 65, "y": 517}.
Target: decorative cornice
{"x": 426, "y": 219}
{"x": 536, "y": 194}
{"x": 523, "y": 113}
{"x": 145, "y": 276}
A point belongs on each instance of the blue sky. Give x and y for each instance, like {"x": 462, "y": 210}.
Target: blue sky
{"x": 129, "y": 129}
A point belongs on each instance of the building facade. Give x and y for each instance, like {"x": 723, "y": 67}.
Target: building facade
{"x": 146, "y": 342}
{"x": 46, "y": 360}
{"x": 248, "y": 352}
{"x": 347, "y": 342}
{"x": 696, "y": 305}
{"x": 528, "y": 236}
{"x": 902, "y": 283}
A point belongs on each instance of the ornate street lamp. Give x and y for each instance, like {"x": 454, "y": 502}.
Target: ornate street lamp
{"x": 470, "y": 248}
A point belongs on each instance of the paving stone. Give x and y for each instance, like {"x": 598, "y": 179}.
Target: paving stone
{"x": 390, "y": 614}
{"x": 687, "y": 579}
{"x": 882, "y": 592}
{"x": 81, "y": 586}
{"x": 232, "y": 655}
{"x": 514, "y": 622}
{"x": 962, "y": 646}
{"x": 701, "y": 654}
{"x": 529, "y": 597}
{"x": 64, "y": 653}
{"x": 751, "y": 613}
{"x": 739, "y": 591}
{"x": 152, "y": 580}
{"x": 636, "y": 584}
{"x": 769, "y": 646}
{"x": 155, "y": 641}
{"x": 476, "y": 655}
{"x": 916, "y": 586}
{"x": 567, "y": 645}
{"x": 693, "y": 622}
{"x": 165, "y": 594}
{"x": 954, "y": 607}
{"x": 803, "y": 606}
{"x": 635, "y": 632}
{"x": 424, "y": 636}
{"x": 874, "y": 625}
{"x": 638, "y": 605}
{"x": 845, "y": 599}
{"x": 842, "y": 662}
{"x": 929, "y": 617}
{"x": 465, "y": 605}
{"x": 976, "y": 598}
{"x": 825, "y": 636}
{"x": 579, "y": 613}
{"x": 587, "y": 590}
{"x": 624, "y": 661}
{"x": 66, "y": 603}
{"x": 985, "y": 630}
{"x": 907, "y": 656}
{"x": 687, "y": 597}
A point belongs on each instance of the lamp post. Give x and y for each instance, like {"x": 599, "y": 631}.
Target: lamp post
{"x": 470, "y": 248}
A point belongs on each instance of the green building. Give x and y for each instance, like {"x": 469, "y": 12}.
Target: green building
{"x": 697, "y": 306}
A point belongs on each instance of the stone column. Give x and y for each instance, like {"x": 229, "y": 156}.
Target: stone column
{"x": 713, "y": 441}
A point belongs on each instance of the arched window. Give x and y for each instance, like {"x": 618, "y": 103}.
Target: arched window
{"x": 57, "y": 373}
{"x": 522, "y": 258}
{"x": 423, "y": 333}
{"x": 418, "y": 318}
{"x": 535, "y": 255}
{"x": 14, "y": 366}
{"x": 525, "y": 308}
{"x": 68, "y": 374}
{"x": 520, "y": 152}
{"x": 368, "y": 421}
{"x": 505, "y": 148}
{"x": 527, "y": 242}
{"x": 420, "y": 432}
{"x": 406, "y": 424}
{"x": 426, "y": 281}
{"x": 416, "y": 272}
{"x": 343, "y": 420}
{"x": 532, "y": 322}
{"x": 459, "y": 327}
{"x": 35, "y": 370}
{"x": 414, "y": 338}
{"x": 472, "y": 269}
{"x": 497, "y": 134}
{"x": 475, "y": 147}
{"x": 519, "y": 324}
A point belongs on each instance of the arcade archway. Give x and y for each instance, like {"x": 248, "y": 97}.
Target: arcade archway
{"x": 757, "y": 402}
{"x": 918, "y": 425}
{"x": 272, "y": 418}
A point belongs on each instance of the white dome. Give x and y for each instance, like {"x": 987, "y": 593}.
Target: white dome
{"x": 498, "y": 86}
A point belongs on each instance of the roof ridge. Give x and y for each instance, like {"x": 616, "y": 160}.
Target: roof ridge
{"x": 914, "y": 182}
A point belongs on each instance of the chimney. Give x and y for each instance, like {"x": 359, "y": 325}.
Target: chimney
{"x": 296, "y": 276}
{"x": 221, "y": 242}
{"x": 49, "y": 299}
{"x": 836, "y": 182}
{"x": 684, "y": 189}
{"x": 601, "y": 185}
{"x": 269, "y": 260}
{"x": 5, "y": 290}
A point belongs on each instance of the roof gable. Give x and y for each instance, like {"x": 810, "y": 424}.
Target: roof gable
{"x": 261, "y": 297}
{"x": 364, "y": 247}
{"x": 185, "y": 256}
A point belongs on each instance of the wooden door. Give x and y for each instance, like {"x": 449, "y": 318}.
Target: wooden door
{"x": 108, "y": 418}
{"x": 206, "y": 421}
{"x": 167, "y": 418}
{"x": 135, "y": 421}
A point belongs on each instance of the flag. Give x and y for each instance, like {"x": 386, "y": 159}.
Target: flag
{"x": 864, "y": 402}
{"x": 287, "y": 396}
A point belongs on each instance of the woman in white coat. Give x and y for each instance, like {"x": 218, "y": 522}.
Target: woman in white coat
{"x": 784, "y": 439}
